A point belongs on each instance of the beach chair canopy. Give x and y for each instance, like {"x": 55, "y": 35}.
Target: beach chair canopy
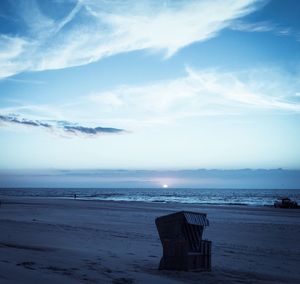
{"x": 183, "y": 225}
{"x": 196, "y": 218}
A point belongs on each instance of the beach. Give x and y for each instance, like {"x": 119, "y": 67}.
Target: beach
{"x": 55, "y": 240}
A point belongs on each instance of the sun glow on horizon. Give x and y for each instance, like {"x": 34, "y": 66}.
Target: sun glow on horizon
{"x": 165, "y": 186}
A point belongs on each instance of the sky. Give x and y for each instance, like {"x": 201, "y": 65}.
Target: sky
{"x": 170, "y": 179}
{"x": 91, "y": 84}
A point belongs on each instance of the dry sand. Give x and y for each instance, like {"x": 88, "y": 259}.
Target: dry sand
{"x": 74, "y": 241}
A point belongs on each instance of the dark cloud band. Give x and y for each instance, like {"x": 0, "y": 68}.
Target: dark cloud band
{"x": 66, "y": 127}
{"x": 15, "y": 120}
{"x": 90, "y": 130}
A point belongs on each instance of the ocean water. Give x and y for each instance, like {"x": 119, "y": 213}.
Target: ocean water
{"x": 180, "y": 195}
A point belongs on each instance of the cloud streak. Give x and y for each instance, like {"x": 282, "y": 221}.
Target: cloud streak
{"x": 206, "y": 93}
{"x": 91, "y": 30}
{"x": 59, "y": 127}
{"x": 263, "y": 27}
{"x": 198, "y": 93}
{"x": 76, "y": 129}
{"x": 11, "y": 119}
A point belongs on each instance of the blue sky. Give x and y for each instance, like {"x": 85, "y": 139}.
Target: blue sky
{"x": 149, "y": 84}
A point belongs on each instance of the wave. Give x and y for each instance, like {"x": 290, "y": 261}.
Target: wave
{"x": 238, "y": 197}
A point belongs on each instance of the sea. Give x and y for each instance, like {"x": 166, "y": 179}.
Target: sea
{"x": 247, "y": 197}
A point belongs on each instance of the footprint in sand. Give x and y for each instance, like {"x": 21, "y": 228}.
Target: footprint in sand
{"x": 27, "y": 264}
{"x": 123, "y": 280}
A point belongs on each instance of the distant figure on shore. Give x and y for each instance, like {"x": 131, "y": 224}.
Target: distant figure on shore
{"x": 75, "y": 196}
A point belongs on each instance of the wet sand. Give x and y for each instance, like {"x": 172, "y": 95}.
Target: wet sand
{"x": 76, "y": 241}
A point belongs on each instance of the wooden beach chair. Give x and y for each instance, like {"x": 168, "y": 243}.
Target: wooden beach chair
{"x": 181, "y": 237}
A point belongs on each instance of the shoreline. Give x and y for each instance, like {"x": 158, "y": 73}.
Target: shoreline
{"x": 217, "y": 197}
{"x": 2, "y": 197}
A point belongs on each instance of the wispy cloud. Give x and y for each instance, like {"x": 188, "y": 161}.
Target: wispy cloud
{"x": 91, "y": 30}
{"x": 63, "y": 128}
{"x": 12, "y": 50}
{"x": 253, "y": 27}
{"x": 199, "y": 93}
{"x": 264, "y": 26}
{"x": 205, "y": 93}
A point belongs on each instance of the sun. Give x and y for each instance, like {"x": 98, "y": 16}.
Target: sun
{"x": 165, "y": 186}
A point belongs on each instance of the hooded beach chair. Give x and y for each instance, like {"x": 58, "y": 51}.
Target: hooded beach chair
{"x": 181, "y": 237}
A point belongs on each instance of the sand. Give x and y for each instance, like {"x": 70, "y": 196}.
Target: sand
{"x": 75, "y": 241}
